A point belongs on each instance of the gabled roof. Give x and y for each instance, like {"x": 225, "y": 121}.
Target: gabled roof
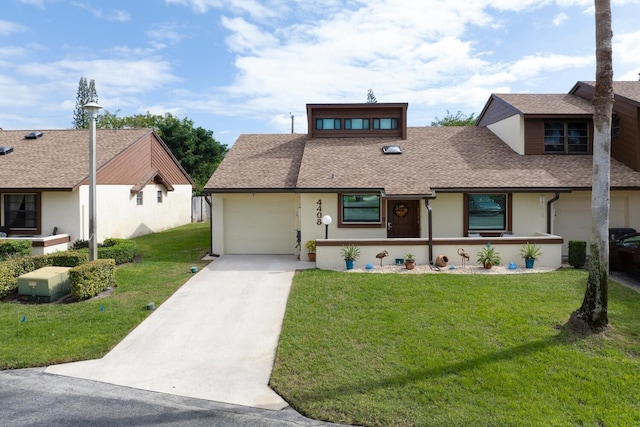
{"x": 626, "y": 89}
{"x": 547, "y": 104}
{"x": 433, "y": 159}
{"x": 58, "y": 160}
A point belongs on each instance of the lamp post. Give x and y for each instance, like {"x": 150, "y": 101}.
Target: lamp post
{"x": 326, "y": 220}
{"x": 92, "y": 108}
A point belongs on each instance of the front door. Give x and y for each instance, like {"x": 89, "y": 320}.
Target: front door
{"x": 403, "y": 218}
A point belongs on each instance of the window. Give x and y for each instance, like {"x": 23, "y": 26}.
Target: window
{"x": 615, "y": 125}
{"x": 566, "y": 137}
{"x": 21, "y": 211}
{"x": 360, "y": 208}
{"x": 139, "y": 198}
{"x": 356, "y": 124}
{"x": 385, "y": 124}
{"x": 487, "y": 212}
{"x": 327, "y": 124}
{"x": 159, "y": 196}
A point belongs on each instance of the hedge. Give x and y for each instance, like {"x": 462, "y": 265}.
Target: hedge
{"x": 577, "y": 253}
{"x": 120, "y": 250}
{"x": 88, "y": 280}
{"x": 11, "y": 248}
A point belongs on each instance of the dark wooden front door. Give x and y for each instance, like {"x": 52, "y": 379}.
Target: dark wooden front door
{"x": 403, "y": 218}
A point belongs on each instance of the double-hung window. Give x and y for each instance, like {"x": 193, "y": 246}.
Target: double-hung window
{"x": 21, "y": 212}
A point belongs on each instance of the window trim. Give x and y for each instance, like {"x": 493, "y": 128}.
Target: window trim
{"x": 139, "y": 198}
{"x": 353, "y": 224}
{"x": 24, "y": 231}
{"x": 488, "y": 233}
{"x": 159, "y": 196}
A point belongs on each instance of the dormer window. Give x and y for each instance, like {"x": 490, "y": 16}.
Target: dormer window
{"x": 356, "y": 124}
{"x": 327, "y": 124}
{"x": 385, "y": 124}
{"x": 566, "y": 137}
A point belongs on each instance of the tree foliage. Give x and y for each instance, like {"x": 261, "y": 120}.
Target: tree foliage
{"x": 86, "y": 93}
{"x": 198, "y": 152}
{"x": 593, "y": 313}
{"x": 459, "y": 119}
{"x": 371, "y": 97}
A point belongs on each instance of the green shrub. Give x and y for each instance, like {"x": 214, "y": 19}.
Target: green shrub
{"x": 577, "y": 253}
{"x": 14, "y": 248}
{"x": 8, "y": 278}
{"x": 89, "y": 279}
{"x": 120, "y": 250}
{"x": 80, "y": 244}
{"x": 70, "y": 258}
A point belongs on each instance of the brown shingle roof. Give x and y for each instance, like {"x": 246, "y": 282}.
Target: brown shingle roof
{"x": 547, "y": 104}
{"x": 627, "y": 89}
{"x": 60, "y": 158}
{"x": 433, "y": 159}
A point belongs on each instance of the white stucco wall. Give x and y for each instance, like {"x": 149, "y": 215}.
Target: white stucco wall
{"x": 447, "y": 216}
{"x": 118, "y": 215}
{"x": 529, "y": 212}
{"x": 511, "y": 131}
{"x": 61, "y": 209}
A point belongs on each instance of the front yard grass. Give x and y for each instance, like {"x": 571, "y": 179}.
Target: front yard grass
{"x": 454, "y": 350}
{"x": 46, "y": 334}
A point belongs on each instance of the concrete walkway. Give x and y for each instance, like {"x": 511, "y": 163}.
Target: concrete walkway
{"x": 214, "y": 339}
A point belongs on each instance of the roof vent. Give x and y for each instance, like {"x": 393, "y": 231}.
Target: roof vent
{"x": 392, "y": 149}
{"x": 33, "y": 135}
{"x": 5, "y": 150}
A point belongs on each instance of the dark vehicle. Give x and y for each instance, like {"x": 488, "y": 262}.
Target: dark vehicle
{"x": 483, "y": 205}
{"x": 624, "y": 253}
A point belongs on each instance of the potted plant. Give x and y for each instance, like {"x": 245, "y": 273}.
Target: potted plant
{"x": 350, "y": 253}
{"x": 488, "y": 257}
{"x": 410, "y": 261}
{"x": 530, "y": 253}
{"x": 311, "y": 248}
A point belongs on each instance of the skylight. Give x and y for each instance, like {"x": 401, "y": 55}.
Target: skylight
{"x": 391, "y": 149}
{"x": 5, "y": 150}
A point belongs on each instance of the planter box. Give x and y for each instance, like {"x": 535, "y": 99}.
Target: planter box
{"x": 45, "y": 284}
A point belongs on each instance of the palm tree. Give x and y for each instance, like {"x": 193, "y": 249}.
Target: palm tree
{"x": 592, "y": 315}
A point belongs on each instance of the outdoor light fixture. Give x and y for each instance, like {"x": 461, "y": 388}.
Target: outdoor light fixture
{"x": 326, "y": 220}
{"x": 92, "y": 108}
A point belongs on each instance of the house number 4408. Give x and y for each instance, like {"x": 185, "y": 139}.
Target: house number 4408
{"x": 319, "y": 212}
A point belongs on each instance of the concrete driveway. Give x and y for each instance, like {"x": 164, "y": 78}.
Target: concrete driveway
{"x": 214, "y": 339}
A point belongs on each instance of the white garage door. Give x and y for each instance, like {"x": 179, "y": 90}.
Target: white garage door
{"x": 260, "y": 224}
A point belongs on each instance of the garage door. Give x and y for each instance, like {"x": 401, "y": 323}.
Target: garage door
{"x": 260, "y": 224}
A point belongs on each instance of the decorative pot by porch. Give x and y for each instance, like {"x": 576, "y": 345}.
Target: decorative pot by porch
{"x": 349, "y": 264}
{"x": 410, "y": 264}
{"x": 528, "y": 262}
{"x": 442, "y": 261}
{"x": 488, "y": 265}
{"x": 312, "y": 256}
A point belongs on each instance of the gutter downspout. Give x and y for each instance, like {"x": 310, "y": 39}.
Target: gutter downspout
{"x": 430, "y": 227}
{"x": 210, "y": 203}
{"x": 549, "y": 212}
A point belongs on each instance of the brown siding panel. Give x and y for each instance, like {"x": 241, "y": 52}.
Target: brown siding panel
{"x": 496, "y": 111}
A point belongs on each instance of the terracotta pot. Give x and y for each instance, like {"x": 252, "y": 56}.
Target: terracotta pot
{"x": 442, "y": 261}
{"x": 488, "y": 265}
{"x": 410, "y": 265}
{"x": 312, "y": 256}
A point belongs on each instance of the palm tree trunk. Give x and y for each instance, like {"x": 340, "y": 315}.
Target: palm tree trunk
{"x": 592, "y": 315}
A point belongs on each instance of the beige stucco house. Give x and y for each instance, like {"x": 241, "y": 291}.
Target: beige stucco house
{"x": 44, "y": 195}
{"x": 523, "y": 171}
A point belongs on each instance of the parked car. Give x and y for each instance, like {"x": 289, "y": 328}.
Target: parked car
{"x": 624, "y": 253}
{"x": 481, "y": 204}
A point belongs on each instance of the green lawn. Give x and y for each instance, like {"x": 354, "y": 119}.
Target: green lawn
{"x": 456, "y": 350}
{"x": 56, "y": 333}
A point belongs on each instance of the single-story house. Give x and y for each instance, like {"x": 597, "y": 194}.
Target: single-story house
{"x": 524, "y": 171}
{"x": 44, "y": 192}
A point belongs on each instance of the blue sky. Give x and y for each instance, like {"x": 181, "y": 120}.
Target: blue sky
{"x": 243, "y": 66}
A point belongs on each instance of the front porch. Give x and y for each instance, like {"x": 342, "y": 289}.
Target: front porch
{"x": 426, "y": 251}
{"x": 42, "y": 245}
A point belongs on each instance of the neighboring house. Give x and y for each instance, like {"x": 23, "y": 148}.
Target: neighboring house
{"x": 140, "y": 186}
{"x": 525, "y": 170}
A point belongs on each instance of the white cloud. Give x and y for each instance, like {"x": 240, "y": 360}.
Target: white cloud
{"x": 560, "y": 18}
{"x": 253, "y": 8}
{"x": 8, "y": 28}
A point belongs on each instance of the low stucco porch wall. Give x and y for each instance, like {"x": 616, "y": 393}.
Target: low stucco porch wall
{"x": 328, "y": 254}
{"x": 46, "y": 244}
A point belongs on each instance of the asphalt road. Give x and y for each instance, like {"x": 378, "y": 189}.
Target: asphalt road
{"x": 30, "y": 397}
